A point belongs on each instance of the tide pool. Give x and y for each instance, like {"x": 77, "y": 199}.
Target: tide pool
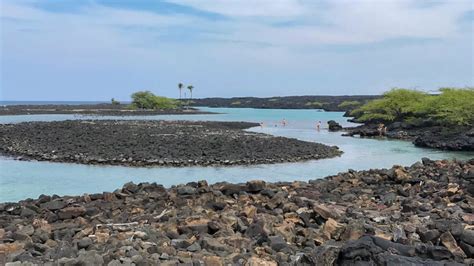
{"x": 23, "y": 179}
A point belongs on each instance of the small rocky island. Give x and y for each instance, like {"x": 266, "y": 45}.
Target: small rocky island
{"x": 417, "y": 215}
{"x": 92, "y": 109}
{"x": 153, "y": 143}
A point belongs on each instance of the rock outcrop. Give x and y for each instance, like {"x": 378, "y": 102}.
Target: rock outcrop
{"x": 417, "y": 215}
{"x": 459, "y": 138}
{"x": 334, "y": 126}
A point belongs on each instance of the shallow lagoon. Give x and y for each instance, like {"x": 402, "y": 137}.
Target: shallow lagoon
{"x": 22, "y": 179}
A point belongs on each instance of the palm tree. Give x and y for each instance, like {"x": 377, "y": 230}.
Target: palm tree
{"x": 180, "y": 87}
{"x": 190, "y": 88}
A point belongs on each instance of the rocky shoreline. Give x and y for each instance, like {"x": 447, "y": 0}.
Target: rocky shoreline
{"x": 460, "y": 138}
{"x": 327, "y": 103}
{"x": 153, "y": 143}
{"x": 417, "y": 215}
{"x": 90, "y": 109}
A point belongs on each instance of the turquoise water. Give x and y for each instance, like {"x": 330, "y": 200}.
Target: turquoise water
{"x": 21, "y": 179}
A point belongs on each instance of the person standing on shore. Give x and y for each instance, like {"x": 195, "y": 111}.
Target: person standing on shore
{"x": 381, "y": 129}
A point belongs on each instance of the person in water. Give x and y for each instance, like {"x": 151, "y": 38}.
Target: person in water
{"x": 318, "y": 125}
{"x": 283, "y": 122}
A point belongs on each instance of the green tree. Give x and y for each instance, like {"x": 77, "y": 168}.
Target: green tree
{"x": 396, "y": 105}
{"x": 180, "y": 88}
{"x": 190, "y": 88}
{"x": 147, "y": 100}
{"x": 453, "y": 106}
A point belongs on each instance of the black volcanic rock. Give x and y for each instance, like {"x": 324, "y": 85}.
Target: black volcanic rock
{"x": 327, "y": 103}
{"x": 303, "y": 223}
{"x": 91, "y": 109}
{"x": 457, "y": 138}
{"x": 161, "y": 143}
{"x": 334, "y": 126}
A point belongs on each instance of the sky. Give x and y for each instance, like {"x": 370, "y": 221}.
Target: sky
{"x": 98, "y": 49}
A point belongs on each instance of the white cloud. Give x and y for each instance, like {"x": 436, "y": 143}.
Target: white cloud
{"x": 334, "y": 22}
{"x": 248, "y": 8}
{"x": 131, "y": 49}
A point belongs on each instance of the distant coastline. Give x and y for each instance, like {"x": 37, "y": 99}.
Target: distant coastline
{"x": 342, "y": 103}
{"x": 53, "y": 102}
{"x": 323, "y": 102}
{"x": 90, "y": 108}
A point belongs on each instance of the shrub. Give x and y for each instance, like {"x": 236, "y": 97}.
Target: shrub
{"x": 453, "y": 107}
{"x": 315, "y": 104}
{"x": 147, "y": 100}
{"x": 114, "y": 102}
{"x": 349, "y": 104}
{"x": 395, "y": 105}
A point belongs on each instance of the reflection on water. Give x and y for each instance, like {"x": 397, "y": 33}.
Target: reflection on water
{"x": 21, "y": 179}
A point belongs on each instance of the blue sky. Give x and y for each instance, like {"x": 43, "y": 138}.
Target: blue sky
{"x": 99, "y": 49}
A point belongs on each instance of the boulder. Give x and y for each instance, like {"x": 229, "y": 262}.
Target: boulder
{"x": 334, "y": 126}
{"x": 449, "y": 242}
{"x": 212, "y": 244}
{"x": 332, "y": 229}
{"x": 468, "y": 236}
{"x": 326, "y": 212}
{"x": 186, "y": 190}
{"x": 255, "y": 186}
{"x": 84, "y": 243}
{"x": 71, "y": 212}
{"x": 54, "y": 205}
{"x": 256, "y": 261}
{"x": 277, "y": 243}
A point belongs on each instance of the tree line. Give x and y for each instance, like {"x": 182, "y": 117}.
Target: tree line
{"x": 452, "y": 106}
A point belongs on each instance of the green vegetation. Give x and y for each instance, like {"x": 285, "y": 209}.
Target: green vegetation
{"x": 315, "y": 104}
{"x": 148, "y": 100}
{"x": 180, "y": 88}
{"x": 451, "y": 107}
{"x": 349, "y": 104}
{"x": 190, "y": 88}
{"x": 454, "y": 106}
{"x": 114, "y": 102}
{"x": 236, "y": 103}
